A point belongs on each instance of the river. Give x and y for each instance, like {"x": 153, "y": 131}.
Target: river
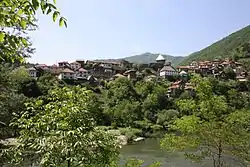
{"x": 149, "y": 151}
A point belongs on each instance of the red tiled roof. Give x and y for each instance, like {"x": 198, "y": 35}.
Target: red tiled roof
{"x": 183, "y": 67}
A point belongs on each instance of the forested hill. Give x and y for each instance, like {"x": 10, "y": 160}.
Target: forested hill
{"x": 222, "y": 48}
{"x": 146, "y": 58}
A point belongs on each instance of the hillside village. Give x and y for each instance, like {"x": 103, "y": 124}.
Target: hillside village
{"x": 94, "y": 71}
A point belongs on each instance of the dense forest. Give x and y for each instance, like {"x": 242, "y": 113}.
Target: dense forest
{"x": 54, "y": 123}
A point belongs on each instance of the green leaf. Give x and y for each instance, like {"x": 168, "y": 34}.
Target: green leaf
{"x": 65, "y": 23}
{"x": 2, "y": 35}
{"x": 54, "y": 1}
{"x": 20, "y": 12}
{"x": 23, "y": 24}
{"x": 55, "y": 15}
{"x": 24, "y": 41}
{"x": 35, "y": 4}
{"x": 49, "y": 11}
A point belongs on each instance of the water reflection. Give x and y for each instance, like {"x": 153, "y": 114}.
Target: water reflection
{"x": 149, "y": 151}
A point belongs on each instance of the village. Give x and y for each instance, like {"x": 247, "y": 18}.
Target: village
{"x": 94, "y": 71}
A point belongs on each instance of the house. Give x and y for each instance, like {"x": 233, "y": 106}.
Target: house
{"x": 63, "y": 64}
{"x": 101, "y": 72}
{"x": 67, "y": 74}
{"x": 194, "y": 63}
{"x": 43, "y": 67}
{"x": 75, "y": 65}
{"x": 183, "y": 68}
{"x": 241, "y": 78}
{"x": 168, "y": 70}
{"x": 131, "y": 74}
{"x": 118, "y": 76}
{"x": 33, "y": 72}
{"x": 81, "y": 73}
{"x": 175, "y": 88}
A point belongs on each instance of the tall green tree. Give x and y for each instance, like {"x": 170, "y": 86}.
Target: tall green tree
{"x": 209, "y": 129}
{"x": 62, "y": 131}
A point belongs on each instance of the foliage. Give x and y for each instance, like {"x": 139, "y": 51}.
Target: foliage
{"x": 222, "y": 48}
{"x": 10, "y": 101}
{"x": 16, "y": 19}
{"x": 130, "y": 133}
{"x": 139, "y": 163}
{"x": 167, "y": 117}
{"x": 209, "y": 130}
{"x": 229, "y": 73}
{"x": 62, "y": 131}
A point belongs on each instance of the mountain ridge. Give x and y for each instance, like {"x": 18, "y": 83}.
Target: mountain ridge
{"x": 221, "y": 48}
{"x": 148, "y": 57}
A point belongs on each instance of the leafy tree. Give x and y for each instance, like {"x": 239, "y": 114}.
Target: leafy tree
{"x": 62, "y": 132}
{"x": 118, "y": 98}
{"x": 229, "y": 73}
{"x": 167, "y": 117}
{"x": 47, "y": 82}
{"x": 17, "y": 17}
{"x": 209, "y": 129}
{"x": 10, "y": 101}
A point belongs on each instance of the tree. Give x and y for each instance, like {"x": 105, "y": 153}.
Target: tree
{"x": 10, "y": 101}
{"x": 210, "y": 129}
{"x": 62, "y": 132}
{"x": 167, "y": 117}
{"x": 229, "y": 73}
{"x": 17, "y": 17}
{"x": 118, "y": 98}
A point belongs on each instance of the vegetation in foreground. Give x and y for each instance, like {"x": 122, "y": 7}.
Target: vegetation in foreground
{"x": 58, "y": 124}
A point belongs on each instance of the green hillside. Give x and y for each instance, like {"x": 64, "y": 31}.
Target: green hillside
{"x": 146, "y": 58}
{"x": 222, "y": 48}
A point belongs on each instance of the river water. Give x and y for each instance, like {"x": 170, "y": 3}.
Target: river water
{"x": 149, "y": 151}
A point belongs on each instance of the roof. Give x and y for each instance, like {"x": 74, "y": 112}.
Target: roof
{"x": 183, "y": 67}
{"x": 75, "y": 62}
{"x": 82, "y": 70}
{"x": 240, "y": 77}
{"x": 32, "y": 69}
{"x": 63, "y": 62}
{"x": 41, "y": 65}
{"x": 183, "y": 73}
{"x": 119, "y": 75}
{"x": 67, "y": 70}
{"x": 160, "y": 57}
{"x": 129, "y": 71}
{"x": 167, "y": 68}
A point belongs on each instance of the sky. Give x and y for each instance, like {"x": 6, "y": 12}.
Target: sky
{"x": 101, "y": 29}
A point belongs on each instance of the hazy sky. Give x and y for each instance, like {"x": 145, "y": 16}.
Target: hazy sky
{"x": 120, "y": 28}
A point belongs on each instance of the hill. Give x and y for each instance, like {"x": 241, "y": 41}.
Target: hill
{"x": 222, "y": 48}
{"x": 146, "y": 58}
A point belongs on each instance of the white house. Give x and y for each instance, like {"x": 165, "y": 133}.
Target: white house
{"x": 33, "y": 72}
{"x": 67, "y": 74}
{"x": 75, "y": 65}
{"x": 82, "y": 73}
{"x": 168, "y": 70}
